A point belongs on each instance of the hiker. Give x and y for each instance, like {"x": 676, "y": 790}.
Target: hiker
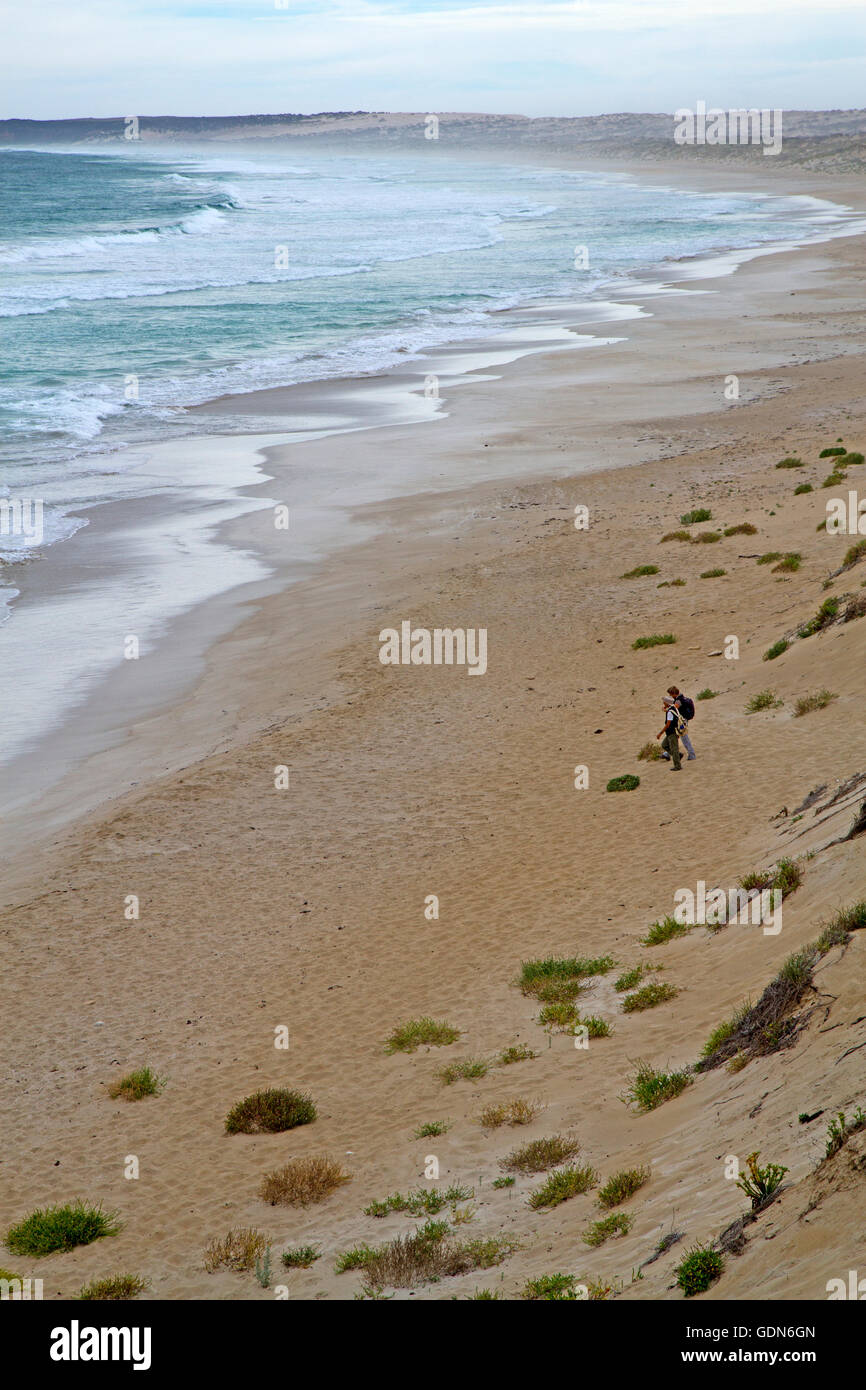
{"x": 686, "y": 707}
{"x": 670, "y": 733}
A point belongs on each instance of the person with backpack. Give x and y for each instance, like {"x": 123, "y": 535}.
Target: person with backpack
{"x": 669, "y": 735}
{"x": 686, "y": 707}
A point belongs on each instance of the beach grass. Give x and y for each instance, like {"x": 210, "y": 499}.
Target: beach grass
{"x": 648, "y": 997}
{"x": 619, "y": 1223}
{"x": 421, "y": 1032}
{"x": 657, "y": 639}
{"x": 237, "y": 1251}
{"x": 622, "y": 1186}
{"x": 467, "y": 1069}
{"x": 819, "y": 700}
{"x": 665, "y": 930}
{"x": 270, "y": 1112}
{"x": 647, "y": 1088}
{"x": 432, "y": 1129}
{"x": 301, "y": 1256}
{"x": 640, "y": 571}
{"x": 562, "y": 1185}
{"x": 302, "y": 1181}
{"x": 776, "y": 649}
{"x": 763, "y": 699}
{"x": 697, "y": 515}
{"x": 700, "y": 1268}
{"x": 61, "y": 1227}
{"x": 136, "y": 1085}
{"x": 116, "y": 1288}
{"x": 422, "y": 1201}
{"x": 508, "y": 1112}
{"x": 538, "y": 1155}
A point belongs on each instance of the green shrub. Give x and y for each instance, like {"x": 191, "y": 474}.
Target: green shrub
{"x": 790, "y": 463}
{"x": 270, "y": 1112}
{"x": 745, "y": 528}
{"x": 707, "y": 538}
{"x": 469, "y": 1069}
{"x": 854, "y": 554}
{"x": 301, "y": 1256}
{"x": 650, "y": 753}
{"x": 777, "y": 648}
{"x": 675, "y": 536}
{"x": 672, "y": 584}
{"x": 60, "y": 1228}
{"x": 764, "y": 699}
{"x": 839, "y": 1131}
{"x": 518, "y": 1053}
{"x": 423, "y": 1201}
{"x": 432, "y": 1129}
{"x": 665, "y": 930}
{"x": 769, "y": 557}
{"x": 706, "y": 694}
{"x": 694, "y": 517}
{"x": 551, "y": 1288}
{"x": 713, "y": 574}
{"x": 537, "y": 1155}
{"x": 617, "y": 1224}
{"x": 807, "y": 703}
{"x": 831, "y": 452}
{"x": 648, "y": 1088}
{"x": 789, "y": 563}
{"x": 665, "y": 639}
{"x": 562, "y": 1185}
{"x": 648, "y": 997}
{"x": 622, "y": 1186}
{"x": 700, "y": 1268}
{"x": 136, "y": 1085}
{"x": 115, "y": 1289}
{"x": 801, "y": 488}
{"x": 640, "y": 571}
{"x": 761, "y": 1183}
{"x": 827, "y": 613}
{"x": 421, "y": 1032}
{"x": 850, "y": 460}
{"x": 626, "y": 783}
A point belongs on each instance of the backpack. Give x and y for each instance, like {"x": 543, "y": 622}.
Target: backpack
{"x": 676, "y": 725}
{"x": 687, "y": 707}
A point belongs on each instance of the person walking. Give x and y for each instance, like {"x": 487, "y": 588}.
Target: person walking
{"x": 669, "y": 734}
{"x": 686, "y": 707}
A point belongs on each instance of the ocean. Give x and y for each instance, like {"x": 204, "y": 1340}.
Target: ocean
{"x": 136, "y": 282}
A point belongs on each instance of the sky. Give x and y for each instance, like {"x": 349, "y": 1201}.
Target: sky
{"x": 533, "y": 57}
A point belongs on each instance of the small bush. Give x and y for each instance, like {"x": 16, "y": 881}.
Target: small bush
{"x": 238, "y": 1251}
{"x": 665, "y": 930}
{"x": 649, "y": 1088}
{"x": 650, "y": 753}
{"x": 694, "y": 517}
{"x": 270, "y": 1112}
{"x": 790, "y": 463}
{"x": 423, "y": 1201}
{"x": 832, "y": 452}
{"x": 596, "y": 1027}
{"x": 536, "y": 974}
{"x": 764, "y": 699}
{"x": 432, "y": 1252}
{"x": 562, "y": 1016}
{"x": 700, "y": 1268}
{"x": 562, "y": 1185}
{"x": 626, "y": 783}
{"x": 469, "y": 1069}
{"x": 301, "y": 1256}
{"x": 723, "y": 1031}
{"x": 713, "y": 574}
{"x": 432, "y": 1129}
{"x": 789, "y": 563}
{"x": 807, "y": 703}
{"x": 421, "y": 1032}
{"x": 357, "y": 1258}
{"x": 761, "y": 1183}
{"x": 770, "y": 557}
{"x": 115, "y": 1289}
{"x": 640, "y": 571}
{"x": 618, "y": 1224}
{"x": 508, "y": 1112}
{"x": 675, "y": 536}
{"x": 854, "y": 554}
{"x": 629, "y": 979}
{"x": 745, "y": 528}
{"x": 540, "y": 1154}
{"x": 707, "y": 538}
{"x": 827, "y": 613}
{"x": 518, "y": 1053}
{"x": 302, "y": 1181}
{"x": 672, "y": 584}
{"x": 665, "y": 639}
{"x": 852, "y": 460}
{"x": 839, "y": 1131}
{"x": 622, "y": 1186}
{"x": 551, "y": 1288}
{"x": 60, "y": 1228}
{"x": 706, "y": 694}
{"x": 787, "y": 877}
{"x": 503, "y": 1182}
{"x": 136, "y": 1085}
{"x": 834, "y": 479}
{"x": 801, "y": 488}
{"x": 777, "y": 648}
{"x": 648, "y": 997}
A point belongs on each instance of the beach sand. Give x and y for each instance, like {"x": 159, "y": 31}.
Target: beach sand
{"x": 305, "y": 907}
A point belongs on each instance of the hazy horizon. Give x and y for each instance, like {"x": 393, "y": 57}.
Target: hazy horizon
{"x": 527, "y": 57}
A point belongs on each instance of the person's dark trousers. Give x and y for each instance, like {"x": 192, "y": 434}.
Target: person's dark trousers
{"x": 671, "y": 744}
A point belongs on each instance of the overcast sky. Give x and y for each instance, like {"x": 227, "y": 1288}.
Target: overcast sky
{"x": 536, "y": 57}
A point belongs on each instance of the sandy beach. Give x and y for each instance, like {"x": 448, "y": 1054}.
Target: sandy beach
{"x": 304, "y": 908}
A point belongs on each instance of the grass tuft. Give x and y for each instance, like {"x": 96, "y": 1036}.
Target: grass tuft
{"x": 807, "y": 703}
{"x": 664, "y": 639}
{"x": 648, "y": 1088}
{"x": 302, "y": 1181}
{"x": 625, "y": 783}
{"x": 270, "y": 1112}
{"x": 301, "y": 1256}
{"x": 421, "y": 1032}
{"x": 700, "y": 1268}
{"x": 562, "y": 1185}
{"x": 640, "y": 571}
{"x": 136, "y": 1085}
{"x": 538, "y": 1155}
{"x": 648, "y": 997}
{"x": 117, "y": 1288}
{"x": 238, "y": 1251}
{"x": 693, "y": 518}
{"x": 617, "y": 1224}
{"x": 60, "y": 1228}
{"x": 764, "y": 699}
{"x": 508, "y": 1112}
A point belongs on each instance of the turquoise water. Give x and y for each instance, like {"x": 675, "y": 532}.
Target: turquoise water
{"x": 134, "y": 283}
